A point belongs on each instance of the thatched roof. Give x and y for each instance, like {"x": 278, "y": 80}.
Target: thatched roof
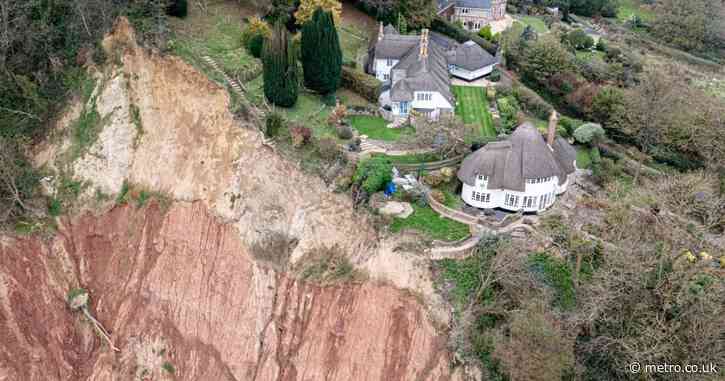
{"x": 525, "y": 155}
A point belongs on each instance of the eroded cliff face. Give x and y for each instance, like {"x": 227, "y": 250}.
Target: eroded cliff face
{"x": 181, "y": 290}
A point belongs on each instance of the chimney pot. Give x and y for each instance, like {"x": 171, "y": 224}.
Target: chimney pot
{"x": 553, "y": 122}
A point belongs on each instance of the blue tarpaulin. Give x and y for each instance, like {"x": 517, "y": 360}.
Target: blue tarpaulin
{"x": 390, "y": 189}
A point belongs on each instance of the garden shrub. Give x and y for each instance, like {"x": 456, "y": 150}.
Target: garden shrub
{"x": 344, "y": 132}
{"x": 579, "y": 40}
{"x": 328, "y": 149}
{"x": 589, "y": 133}
{"x": 373, "y": 173}
{"x": 495, "y": 75}
{"x": 508, "y": 108}
{"x": 363, "y": 84}
{"x": 254, "y": 34}
{"x": 438, "y": 196}
{"x": 569, "y": 124}
{"x": 300, "y": 135}
{"x": 532, "y": 102}
{"x": 274, "y": 122}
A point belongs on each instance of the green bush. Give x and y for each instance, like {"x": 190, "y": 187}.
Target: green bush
{"x": 495, "y": 75}
{"x": 373, "y": 173}
{"x": 589, "y": 133}
{"x": 344, "y": 132}
{"x": 508, "y": 108}
{"x": 569, "y": 124}
{"x": 274, "y": 122}
{"x": 55, "y": 208}
{"x": 363, "y": 84}
{"x": 486, "y": 33}
{"x": 601, "y": 45}
{"x": 532, "y": 103}
{"x": 579, "y": 40}
{"x": 255, "y": 45}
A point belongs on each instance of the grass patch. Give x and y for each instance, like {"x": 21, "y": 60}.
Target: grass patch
{"x": 557, "y": 275}
{"x": 535, "y": 22}
{"x": 629, "y": 8}
{"x": 472, "y": 106}
{"x": 85, "y": 130}
{"x": 328, "y": 265}
{"x": 376, "y": 128}
{"x": 590, "y": 55}
{"x": 217, "y": 36}
{"x": 427, "y": 221}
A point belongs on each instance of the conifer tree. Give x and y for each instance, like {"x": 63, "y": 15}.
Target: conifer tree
{"x": 321, "y": 53}
{"x": 280, "y": 68}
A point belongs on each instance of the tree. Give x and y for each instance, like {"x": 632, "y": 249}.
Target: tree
{"x": 536, "y": 347}
{"x": 690, "y": 25}
{"x": 280, "y": 69}
{"x": 254, "y": 34}
{"x": 372, "y": 174}
{"x": 608, "y": 104}
{"x": 544, "y": 58}
{"x": 589, "y": 133}
{"x": 177, "y": 8}
{"x": 307, "y": 9}
{"x": 321, "y": 53}
{"x": 18, "y": 182}
{"x": 579, "y": 39}
{"x": 418, "y": 13}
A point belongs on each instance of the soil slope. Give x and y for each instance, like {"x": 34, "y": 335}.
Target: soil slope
{"x": 182, "y": 291}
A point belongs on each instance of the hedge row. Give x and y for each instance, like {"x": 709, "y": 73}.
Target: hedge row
{"x": 366, "y": 85}
{"x": 461, "y": 35}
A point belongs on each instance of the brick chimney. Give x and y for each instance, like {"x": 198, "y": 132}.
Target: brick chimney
{"x": 423, "y": 44}
{"x": 381, "y": 32}
{"x": 553, "y": 122}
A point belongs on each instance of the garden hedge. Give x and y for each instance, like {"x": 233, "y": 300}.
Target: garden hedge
{"x": 363, "y": 84}
{"x": 461, "y": 35}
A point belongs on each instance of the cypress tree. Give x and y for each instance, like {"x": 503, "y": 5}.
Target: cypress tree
{"x": 321, "y": 53}
{"x": 280, "y": 68}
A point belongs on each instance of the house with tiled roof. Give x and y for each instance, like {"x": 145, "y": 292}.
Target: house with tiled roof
{"x": 416, "y": 71}
{"x": 473, "y": 14}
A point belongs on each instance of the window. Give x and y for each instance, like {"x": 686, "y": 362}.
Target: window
{"x": 390, "y": 62}
{"x": 424, "y": 96}
{"x": 512, "y": 201}
{"x": 464, "y": 10}
{"x": 483, "y": 178}
{"x": 528, "y": 202}
{"x": 542, "y": 202}
{"x": 481, "y": 197}
{"x": 386, "y": 77}
{"x": 404, "y": 107}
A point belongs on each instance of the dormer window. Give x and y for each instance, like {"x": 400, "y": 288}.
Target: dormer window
{"x": 482, "y": 178}
{"x": 390, "y": 62}
{"x": 424, "y": 96}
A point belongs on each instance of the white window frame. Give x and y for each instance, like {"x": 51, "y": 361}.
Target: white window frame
{"x": 389, "y": 62}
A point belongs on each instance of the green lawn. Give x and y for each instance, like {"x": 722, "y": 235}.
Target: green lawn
{"x": 427, "y": 221}
{"x": 628, "y": 8}
{"x": 472, "y": 106}
{"x": 590, "y": 55}
{"x": 535, "y": 22}
{"x": 376, "y": 128}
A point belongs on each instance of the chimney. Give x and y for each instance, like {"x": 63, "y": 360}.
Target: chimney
{"x": 553, "y": 122}
{"x": 423, "y": 44}
{"x": 381, "y": 32}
